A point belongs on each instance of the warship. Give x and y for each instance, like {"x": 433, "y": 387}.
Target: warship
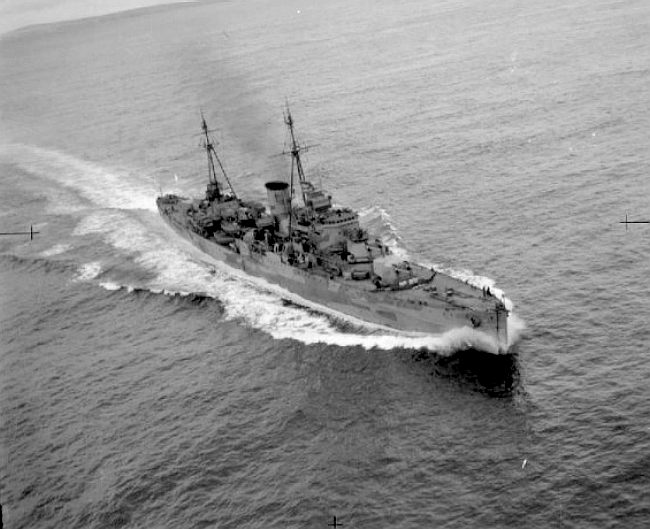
{"x": 319, "y": 252}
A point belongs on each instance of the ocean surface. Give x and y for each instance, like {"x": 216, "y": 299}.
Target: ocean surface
{"x": 144, "y": 386}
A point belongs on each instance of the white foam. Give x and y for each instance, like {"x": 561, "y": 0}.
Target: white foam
{"x": 57, "y": 249}
{"x": 109, "y": 285}
{"x": 516, "y": 328}
{"x": 88, "y": 271}
{"x": 379, "y": 225}
{"x": 106, "y": 187}
{"x": 29, "y": 12}
{"x": 448, "y": 342}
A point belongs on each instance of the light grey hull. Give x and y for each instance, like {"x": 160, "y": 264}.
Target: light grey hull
{"x": 411, "y": 310}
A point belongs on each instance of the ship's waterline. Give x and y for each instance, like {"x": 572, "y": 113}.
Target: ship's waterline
{"x": 367, "y": 334}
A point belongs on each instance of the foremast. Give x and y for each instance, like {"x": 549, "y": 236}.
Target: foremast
{"x": 214, "y": 191}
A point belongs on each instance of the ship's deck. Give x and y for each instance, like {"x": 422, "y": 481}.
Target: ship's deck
{"x": 441, "y": 288}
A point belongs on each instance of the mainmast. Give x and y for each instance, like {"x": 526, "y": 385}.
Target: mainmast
{"x": 212, "y": 156}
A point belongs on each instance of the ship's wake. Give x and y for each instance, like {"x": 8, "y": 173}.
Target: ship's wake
{"x": 119, "y": 213}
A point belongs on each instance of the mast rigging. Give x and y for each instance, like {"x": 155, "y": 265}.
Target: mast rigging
{"x": 212, "y": 155}
{"x": 295, "y": 151}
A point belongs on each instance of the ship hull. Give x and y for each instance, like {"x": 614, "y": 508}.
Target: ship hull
{"x": 407, "y": 311}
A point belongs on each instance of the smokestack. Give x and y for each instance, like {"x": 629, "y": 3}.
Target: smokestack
{"x": 279, "y": 199}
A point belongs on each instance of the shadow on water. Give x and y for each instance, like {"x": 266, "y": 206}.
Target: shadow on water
{"x": 494, "y": 375}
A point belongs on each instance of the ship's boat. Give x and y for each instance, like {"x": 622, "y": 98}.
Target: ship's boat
{"x": 321, "y": 254}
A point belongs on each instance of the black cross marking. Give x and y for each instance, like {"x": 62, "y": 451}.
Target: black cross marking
{"x": 334, "y": 523}
{"x": 31, "y": 233}
{"x": 626, "y": 222}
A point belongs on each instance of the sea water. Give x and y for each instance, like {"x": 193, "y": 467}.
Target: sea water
{"x": 142, "y": 385}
